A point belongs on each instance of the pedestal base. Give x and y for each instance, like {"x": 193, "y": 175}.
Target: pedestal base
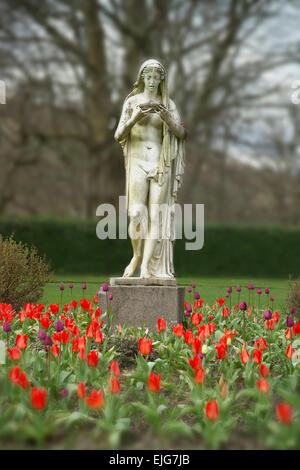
{"x": 139, "y": 305}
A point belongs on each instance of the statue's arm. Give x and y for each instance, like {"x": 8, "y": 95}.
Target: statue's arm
{"x": 124, "y": 127}
{"x": 128, "y": 119}
{"x": 172, "y": 119}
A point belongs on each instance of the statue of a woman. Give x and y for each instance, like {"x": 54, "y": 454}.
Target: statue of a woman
{"x": 152, "y": 139}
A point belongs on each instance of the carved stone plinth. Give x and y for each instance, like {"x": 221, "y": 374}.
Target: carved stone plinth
{"x": 138, "y": 305}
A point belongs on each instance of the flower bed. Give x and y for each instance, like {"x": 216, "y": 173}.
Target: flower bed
{"x": 227, "y": 377}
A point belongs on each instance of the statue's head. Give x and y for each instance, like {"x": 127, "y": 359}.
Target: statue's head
{"x": 152, "y": 65}
{"x": 151, "y": 74}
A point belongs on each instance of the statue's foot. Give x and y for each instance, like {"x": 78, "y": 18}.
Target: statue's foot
{"x": 130, "y": 269}
{"x": 145, "y": 273}
{"x": 166, "y": 276}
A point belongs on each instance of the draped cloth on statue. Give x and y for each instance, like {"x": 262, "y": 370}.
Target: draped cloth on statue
{"x": 169, "y": 171}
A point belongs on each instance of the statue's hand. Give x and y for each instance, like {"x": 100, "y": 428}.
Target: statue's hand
{"x": 138, "y": 113}
{"x": 162, "y": 111}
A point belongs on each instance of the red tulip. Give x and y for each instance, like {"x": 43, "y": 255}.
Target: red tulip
{"x": 98, "y": 336}
{"x": 288, "y": 334}
{"x": 65, "y": 337}
{"x": 225, "y": 312}
{"x": 161, "y": 325}
{"x": 221, "y": 350}
{"x": 284, "y": 413}
{"x": 245, "y": 355}
{"x": 115, "y": 369}
{"x": 260, "y": 344}
{"x": 257, "y": 356}
{"x": 115, "y": 385}
{"x": 22, "y": 381}
{"x": 145, "y": 346}
{"x": 154, "y": 382}
{"x": 197, "y": 343}
{"x": 85, "y": 305}
{"x": 196, "y": 318}
{"x": 54, "y": 308}
{"x": 200, "y": 376}
{"x": 14, "y": 374}
{"x": 81, "y": 390}
{"x": 93, "y": 358}
{"x": 21, "y": 341}
{"x": 38, "y": 398}
{"x": 263, "y": 385}
{"x": 45, "y": 322}
{"x": 178, "y": 330}
{"x": 264, "y": 370}
{"x": 75, "y": 344}
{"x": 276, "y": 317}
{"x": 188, "y": 336}
{"x": 89, "y": 331}
{"x": 74, "y": 304}
{"x": 95, "y": 400}
{"x": 195, "y": 363}
{"x": 14, "y": 353}
{"x": 211, "y": 410}
{"x": 296, "y": 329}
{"x": 55, "y": 350}
{"x": 289, "y": 352}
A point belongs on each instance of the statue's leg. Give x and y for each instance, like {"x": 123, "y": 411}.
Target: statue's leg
{"x": 138, "y": 193}
{"x": 158, "y": 198}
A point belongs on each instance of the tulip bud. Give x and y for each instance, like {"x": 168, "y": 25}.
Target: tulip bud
{"x": 228, "y": 341}
{"x": 221, "y": 381}
{"x": 204, "y": 349}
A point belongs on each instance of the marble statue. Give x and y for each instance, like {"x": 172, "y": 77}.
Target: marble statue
{"x": 152, "y": 138}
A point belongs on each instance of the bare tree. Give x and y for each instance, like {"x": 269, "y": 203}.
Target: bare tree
{"x": 89, "y": 52}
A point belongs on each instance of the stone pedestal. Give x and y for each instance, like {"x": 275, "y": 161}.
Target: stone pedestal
{"x": 138, "y": 301}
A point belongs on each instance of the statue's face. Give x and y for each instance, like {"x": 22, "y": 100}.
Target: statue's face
{"x": 152, "y": 78}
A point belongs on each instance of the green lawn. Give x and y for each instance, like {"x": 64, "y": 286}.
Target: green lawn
{"x": 208, "y": 288}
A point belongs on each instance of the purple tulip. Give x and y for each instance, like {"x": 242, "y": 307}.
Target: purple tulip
{"x": 6, "y": 327}
{"x": 289, "y": 322}
{"x": 267, "y": 291}
{"x": 229, "y": 290}
{"x": 71, "y": 285}
{"x": 250, "y": 286}
{"x": 292, "y": 310}
{"x": 267, "y": 314}
{"x": 201, "y": 355}
{"x": 110, "y": 297}
{"x": 41, "y": 335}
{"x": 62, "y": 287}
{"x": 272, "y": 299}
{"x": 83, "y": 287}
{"x": 259, "y": 291}
{"x": 189, "y": 290}
{"x": 193, "y": 285}
{"x": 238, "y": 289}
{"x": 197, "y": 296}
{"x": 64, "y": 392}
{"x": 187, "y": 313}
{"x": 243, "y": 306}
{"x": 48, "y": 341}
{"x": 59, "y": 326}
{"x": 105, "y": 287}
{"x": 189, "y": 308}
{"x": 227, "y": 295}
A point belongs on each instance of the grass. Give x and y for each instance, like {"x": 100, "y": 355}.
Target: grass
{"x": 209, "y": 288}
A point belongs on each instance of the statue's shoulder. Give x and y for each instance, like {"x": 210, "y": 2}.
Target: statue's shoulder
{"x": 172, "y": 105}
{"x": 133, "y": 101}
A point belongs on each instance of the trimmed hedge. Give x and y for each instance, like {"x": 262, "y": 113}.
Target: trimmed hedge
{"x": 72, "y": 246}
